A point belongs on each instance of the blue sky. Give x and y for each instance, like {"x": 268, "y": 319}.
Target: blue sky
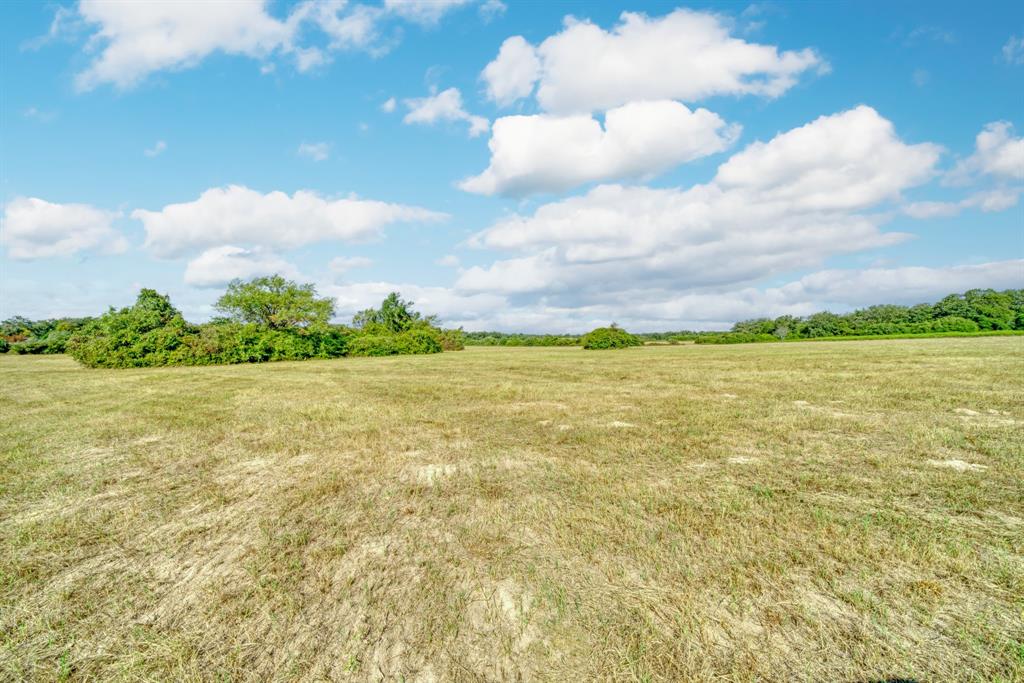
{"x": 515, "y": 166}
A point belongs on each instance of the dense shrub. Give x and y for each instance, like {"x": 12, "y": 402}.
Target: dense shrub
{"x": 453, "y": 340}
{"x": 734, "y": 338}
{"x": 519, "y": 339}
{"x": 269, "y": 319}
{"x": 954, "y": 323}
{"x": 4, "y": 346}
{"x": 609, "y": 338}
{"x": 416, "y": 340}
{"x": 31, "y": 346}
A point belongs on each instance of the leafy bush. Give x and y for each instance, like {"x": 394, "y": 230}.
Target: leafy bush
{"x": 609, "y": 338}
{"x": 519, "y": 339}
{"x": 954, "y": 323}
{"x": 4, "y": 346}
{"x": 31, "y": 346}
{"x": 453, "y": 340}
{"x": 144, "y": 334}
{"x": 270, "y": 319}
{"x": 735, "y": 338}
{"x": 416, "y": 340}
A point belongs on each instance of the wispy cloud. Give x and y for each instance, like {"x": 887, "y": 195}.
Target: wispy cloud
{"x": 156, "y": 149}
{"x": 317, "y": 151}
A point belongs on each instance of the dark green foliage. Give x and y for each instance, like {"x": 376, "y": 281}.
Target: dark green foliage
{"x": 954, "y": 323}
{"x": 275, "y": 303}
{"x": 270, "y": 319}
{"x": 395, "y": 315}
{"x": 4, "y": 345}
{"x": 970, "y": 312}
{"x": 735, "y": 338}
{"x": 144, "y": 334}
{"x": 21, "y": 335}
{"x": 416, "y": 340}
{"x": 609, "y": 338}
{"x": 519, "y": 339}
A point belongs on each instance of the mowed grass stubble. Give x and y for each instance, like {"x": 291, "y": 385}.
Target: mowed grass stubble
{"x": 831, "y": 511}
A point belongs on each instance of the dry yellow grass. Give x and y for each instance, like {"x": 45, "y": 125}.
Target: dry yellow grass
{"x": 833, "y": 511}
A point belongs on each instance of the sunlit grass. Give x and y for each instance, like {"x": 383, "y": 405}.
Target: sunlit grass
{"x": 846, "y": 511}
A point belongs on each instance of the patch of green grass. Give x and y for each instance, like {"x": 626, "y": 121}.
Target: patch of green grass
{"x": 810, "y": 512}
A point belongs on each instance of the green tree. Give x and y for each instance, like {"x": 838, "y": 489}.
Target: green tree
{"x": 395, "y": 315}
{"x": 276, "y": 303}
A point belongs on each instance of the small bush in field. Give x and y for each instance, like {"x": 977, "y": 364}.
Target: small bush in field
{"x": 609, "y": 338}
{"x": 4, "y": 346}
{"x": 453, "y": 340}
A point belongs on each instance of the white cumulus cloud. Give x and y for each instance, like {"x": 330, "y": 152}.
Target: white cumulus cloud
{"x": 139, "y": 38}
{"x": 238, "y": 215}
{"x": 34, "y": 228}
{"x": 774, "y": 207}
{"x": 546, "y": 153}
{"x": 514, "y": 71}
{"x": 997, "y": 153}
{"x": 132, "y": 40}
{"x": 220, "y": 265}
{"x": 444, "y": 106}
{"x": 685, "y": 55}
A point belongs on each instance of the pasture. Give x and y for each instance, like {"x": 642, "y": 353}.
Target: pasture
{"x": 844, "y": 511}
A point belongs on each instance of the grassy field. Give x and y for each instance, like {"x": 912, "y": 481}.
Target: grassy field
{"x": 834, "y": 511}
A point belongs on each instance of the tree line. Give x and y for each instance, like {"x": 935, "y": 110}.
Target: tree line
{"x": 272, "y": 318}
{"x": 974, "y": 311}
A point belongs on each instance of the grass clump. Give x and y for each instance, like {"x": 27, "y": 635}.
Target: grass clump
{"x": 613, "y": 337}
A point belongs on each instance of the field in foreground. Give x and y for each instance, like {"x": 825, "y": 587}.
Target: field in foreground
{"x": 835, "y": 511}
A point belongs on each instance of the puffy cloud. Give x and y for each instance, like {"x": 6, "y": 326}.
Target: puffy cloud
{"x": 512, "y": 74}
{"x": 220, "y": 265}
{"x": 34, "y": 228}
{"x": 774, "y": 207}
{"x": 316, "y": 151}
{"x": 845, "y": 161}
{"x": 546, "y": 153}
{"x": 997, "y": 153}
{"x": 444, "y": 106}
{"x": 389, "y": 105}
{"x": 685, "y": 55}
{"x": 427, "y": 12}
{"x": 239, "y": 215}
{"x": 135, "y": 39}
{"x": 142, "y": 37}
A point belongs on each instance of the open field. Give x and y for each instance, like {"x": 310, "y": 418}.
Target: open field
{"x": 831, "y": 511}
